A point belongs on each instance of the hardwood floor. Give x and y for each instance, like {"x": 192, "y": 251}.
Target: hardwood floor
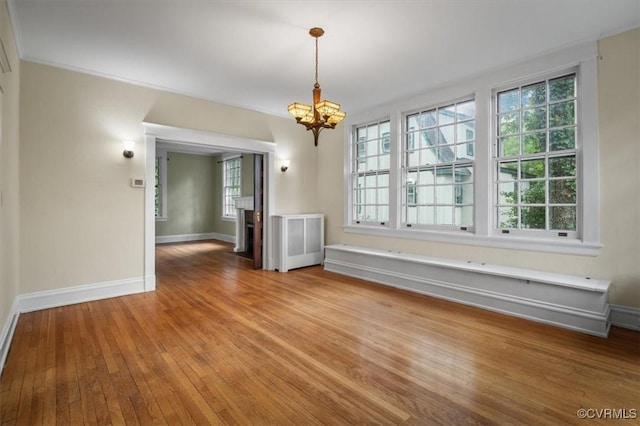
{"x": 219, "y": 343}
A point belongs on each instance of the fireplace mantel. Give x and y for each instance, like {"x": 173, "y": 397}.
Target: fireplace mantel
{"x": 242, "y": 204}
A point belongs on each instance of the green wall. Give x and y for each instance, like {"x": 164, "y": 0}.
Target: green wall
{"x": 194, "y": 194}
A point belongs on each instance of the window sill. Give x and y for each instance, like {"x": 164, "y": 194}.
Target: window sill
{"x": 574, "y": 247}
{"x": 228, "y": 218}
{"x": 161, "y": 218}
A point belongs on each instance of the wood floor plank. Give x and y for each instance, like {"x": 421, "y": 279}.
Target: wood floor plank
{"x": 220, "y": 343}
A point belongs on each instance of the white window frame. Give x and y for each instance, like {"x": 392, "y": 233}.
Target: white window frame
{"x": 519, "y": 232}
{"x": 409, "y": 138}
{"x": 356, "y": 154}
{"x": 482, "y": 87}
{"x": 161, "y": 158}
{"x": 225, "y": 160}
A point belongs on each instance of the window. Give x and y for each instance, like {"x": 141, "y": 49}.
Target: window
{"x": 161, "y": 186}
{"x": 231, "y": 178}
{"x": 507, "y": 159}
{"x": 536, "y": 176}
{"x": 438, "y": 163}
{"x": 371, "y": 173}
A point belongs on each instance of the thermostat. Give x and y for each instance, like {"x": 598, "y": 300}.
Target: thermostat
{"x": 137, "y": 183}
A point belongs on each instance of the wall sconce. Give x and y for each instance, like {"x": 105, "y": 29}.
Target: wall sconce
{"x": 285, "y": 165}
{"x": 128, "y": 148}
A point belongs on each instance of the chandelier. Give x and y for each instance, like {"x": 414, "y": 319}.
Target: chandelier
{"x": 323, "y": 114}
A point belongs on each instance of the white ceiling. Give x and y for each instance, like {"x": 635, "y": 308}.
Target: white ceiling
{"x": 257, "y": 54}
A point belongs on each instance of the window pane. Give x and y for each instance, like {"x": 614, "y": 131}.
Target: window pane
{"x": 562, "y": 88}
{"x": 413, "y": 158}
{"x": 508, "y": 170}
{"x": 561, "y": 139}
{"x": 508, "y": 101}
{"x": 383, "y": 213}
{"x": 534, "y": 94}
{"x": 507, "y": 217}
{"x": 412, "y": 215}
{"x": 427, "y": 177}
{"x": 464, "y": 216}
{"x": 534, "y": 119}
{"x": 372, "y": 147}
{"x": 563, "y": 218}
{"x": 383, "y": 179}
{"x": 372, "y": 163}
{"x": 428, "y": 138}
{"x": 384, "y": 162}
{"x": 372, "y": 132}
{"x": 426, "y": 195}
{"x": 466, "y": 110}
{"x": 532, "y": 192}
{"x": 413, "y": 121}
{"x": 465, "y": 151}
{"x": 534, "y": 143}
{"x": 444, "y": 194}
{"x": 412, "y": 176}
{"x": 533, "y": 218}
{"x": 465, "y": 131}
{"x": 446, "y": 135}
{"x": 383, "y": 196}
{"x": 508, "y": 193}
{"x": 444, "y": 174}
{"x": 370, "y": 181}
{"x": 428, "y": 119}
{"x": 509, "y": 146}
{"x": 446, "y": 115}
{"x": 444, "y": 215}
{"x": 562, "y": 114}
{"x": 562, "y": 166}
{"x": 426, "y": 215}
{"x": 562, "y": 191}
{"x": 385, "y": 128}
{"x": 464, "y": 193}
{"x": 530, "y": 169}
{"x": 509, "y": 123}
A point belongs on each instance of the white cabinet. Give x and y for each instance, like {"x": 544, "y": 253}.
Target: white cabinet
{"x": 299, "y": 240}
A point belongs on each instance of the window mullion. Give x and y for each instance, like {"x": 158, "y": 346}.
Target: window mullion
{"x": 484, "y": 164}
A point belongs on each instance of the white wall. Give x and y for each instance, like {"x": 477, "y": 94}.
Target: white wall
{"x": 619, "y": 144}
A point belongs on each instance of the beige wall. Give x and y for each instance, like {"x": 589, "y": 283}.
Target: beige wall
{"x": 81, "y": 222}
{"x": 619, "y": 114}
{"x": 9, "y": 170}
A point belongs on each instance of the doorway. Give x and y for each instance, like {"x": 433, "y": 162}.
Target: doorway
{"x": 263, "y": 150}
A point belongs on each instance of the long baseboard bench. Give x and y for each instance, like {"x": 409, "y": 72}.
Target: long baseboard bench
{"x": 576, "y": 303}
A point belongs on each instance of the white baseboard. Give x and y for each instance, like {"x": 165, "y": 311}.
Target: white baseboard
{"x": 8, "y": 329}
{"x": 563, "y": 301}
{"x": 625, "y": 317}
{"x": 61, "y": 297}
{"x": 195, "y": 237}
{"x": 79, "y": 294}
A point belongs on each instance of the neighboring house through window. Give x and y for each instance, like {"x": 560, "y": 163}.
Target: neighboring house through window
{"x": 371, "y": 173}
{"x": 501, "y": 159}
{"x": 438, "y": 178}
